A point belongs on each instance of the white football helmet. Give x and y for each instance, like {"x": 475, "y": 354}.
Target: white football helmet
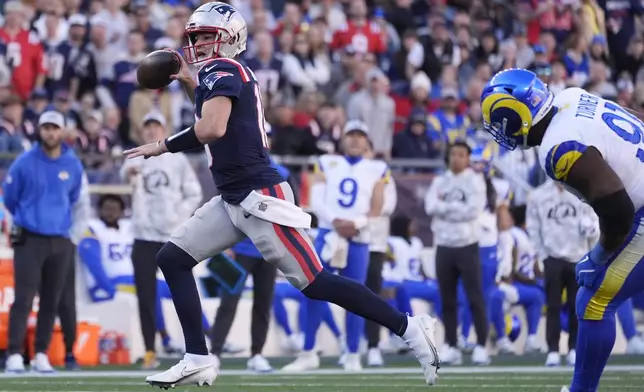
{"x": 222, "y": 20}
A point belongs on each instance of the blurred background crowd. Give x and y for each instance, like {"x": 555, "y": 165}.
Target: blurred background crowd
{"x": 411, "y": 69}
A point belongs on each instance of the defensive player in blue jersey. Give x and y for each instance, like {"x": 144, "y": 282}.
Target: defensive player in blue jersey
{"x": 595, "y": 148}
{"x": 255, "y": 201}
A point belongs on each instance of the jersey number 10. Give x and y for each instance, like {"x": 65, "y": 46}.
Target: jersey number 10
{"x": 618, "y": 113}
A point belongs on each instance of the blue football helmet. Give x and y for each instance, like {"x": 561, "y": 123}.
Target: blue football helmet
{"x": 511, "y": 103}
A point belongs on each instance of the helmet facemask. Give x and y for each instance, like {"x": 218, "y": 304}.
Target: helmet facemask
{"x": 202, "y": 51}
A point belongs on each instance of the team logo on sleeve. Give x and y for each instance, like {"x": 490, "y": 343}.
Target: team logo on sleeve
{"x": 212, "y": 78}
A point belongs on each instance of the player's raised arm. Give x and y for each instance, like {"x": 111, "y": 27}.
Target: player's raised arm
{"x": 592, "y": 177}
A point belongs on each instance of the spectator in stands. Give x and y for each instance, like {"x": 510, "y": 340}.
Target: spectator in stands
{"x": 446, "y": 123}
{"x": 413, "y": 142}
{"x": 116, "y": 22}
{"x": 143, "y": 23}
{"x": 104, "y": 55}
{"x": 166, "y": 193}
{"x": 577, "y": 61}
{"x": 524, "y": 52}
{"x": 342, "y": 71}
{"x": 360, "y": 31}
{"x": 327, "y": 129}
{"x": 599, "y": 53}
{"x": 94, "y": 141}
{"x": 291, "y": 20}
{"x": 456, "y": 200}
{"x": 63, "y": 104}
{"x": 268, "y": 68}
{"x": 560, "y": 226}
{"x": 558, "y": 80}
{"x": 634, "y": 57}
{"x": 598, "y": 82}
{"x": 123, "y": 82}
{"x": 289, "y": 139}
{"x": 439, "y": 49}
{"x": 620, "y": 26}
{"x": 488, "y": 51}
{"x": 303, "y": 69}
{"x": 46, "y": 178}
{"x": 24, "y": 52}
{"x": 35, "y": 107}
{"x": 11, "y": 127}
{"x": 373, "y": 106}
{"x": 400, "y": 15}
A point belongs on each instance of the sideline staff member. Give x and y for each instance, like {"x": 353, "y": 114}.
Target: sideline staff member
{"x": 562, "y": 228}
{"x": 40, "y": 190}
{"x": 455, "y": 201}
{"x": 166, "y": 193}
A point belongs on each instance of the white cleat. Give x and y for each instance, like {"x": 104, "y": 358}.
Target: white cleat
{"x": 505, "y": 346}
{"x": 352, "y": 363}
{"x": 374, "y": 358}
{"x": 480, "y": 356}
{"x": 451, "y": 355}
{"x": 191, "y": 370}
{"x": 15, "y": 364}
{"x": 565, "y": 389}
{"x": 553, "y": 359}
{"x": 419, "y": 337}
{"x": 41, "y": 364}
{"x": 259, "y": 364}
{"x": 306, "y": 360}
{"x": 216, "y": 361}
{"x": 533, "y": 345}
{"x": 635, "y": 345}
{"x": 571, "y": 358}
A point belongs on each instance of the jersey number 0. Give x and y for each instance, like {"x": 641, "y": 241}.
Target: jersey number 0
{"x": 618, "y": 113}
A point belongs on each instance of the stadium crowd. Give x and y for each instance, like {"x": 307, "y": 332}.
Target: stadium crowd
{"x": 411, "y": 70}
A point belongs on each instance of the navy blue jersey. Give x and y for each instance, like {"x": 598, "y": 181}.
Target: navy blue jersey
{"x": 269, "y": 75}
{"x": 66, "y": 61}
{"x": 125, "y": 82}
{"x": 240, "y": 161}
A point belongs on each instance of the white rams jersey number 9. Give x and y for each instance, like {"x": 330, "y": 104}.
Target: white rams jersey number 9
{"x": 585, "y": 120}
{"x": 349, "y": 186}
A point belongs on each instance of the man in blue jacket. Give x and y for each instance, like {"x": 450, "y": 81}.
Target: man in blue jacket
{"x": 248, "y": 257}
{"x": 40, "y": 190}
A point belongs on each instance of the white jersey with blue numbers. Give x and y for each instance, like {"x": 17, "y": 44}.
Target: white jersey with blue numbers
{"x": 585, "y": 120}
{"x": 349, "y": 187}
{"x": 487, "y": 222}
{"x": 407, "y": 257}
{"x": 525, "y": 251}
{"x": 116, "y": 247}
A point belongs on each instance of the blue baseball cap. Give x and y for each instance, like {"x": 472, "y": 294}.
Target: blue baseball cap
{"x": 539, "y": 49}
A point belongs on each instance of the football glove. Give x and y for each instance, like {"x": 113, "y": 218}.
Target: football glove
{"x": 589, "y": 269}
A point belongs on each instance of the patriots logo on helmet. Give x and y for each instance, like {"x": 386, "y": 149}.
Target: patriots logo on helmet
{"x": 212, "y": 78}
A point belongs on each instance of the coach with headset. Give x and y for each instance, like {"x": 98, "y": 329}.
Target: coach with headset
{"x": 40, "y": 190}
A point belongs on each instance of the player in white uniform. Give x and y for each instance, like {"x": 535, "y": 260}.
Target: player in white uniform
{"x": 105, "y": 252}
{"x": 518, "y": 286}
{"x": 347, "y": 191}
{"x": 595, "y": 148}
{"x": 406, "y": 251}
{"x": 494, "y": 237}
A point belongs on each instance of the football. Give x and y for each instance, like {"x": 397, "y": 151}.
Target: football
{"x": 156, "y": 68}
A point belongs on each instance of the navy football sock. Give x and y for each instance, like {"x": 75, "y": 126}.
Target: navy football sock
{"x": 176, "y": 266}
{"x": 357, "y": 299}
{"x": 595, "y": 340}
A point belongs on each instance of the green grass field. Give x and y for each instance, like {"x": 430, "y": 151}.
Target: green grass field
{"x": 510, "y": 374}
{"x": 398, "y": 380}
